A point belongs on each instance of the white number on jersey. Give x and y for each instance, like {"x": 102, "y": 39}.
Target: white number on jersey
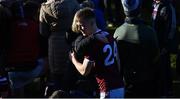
{"x": 112, "y": 54}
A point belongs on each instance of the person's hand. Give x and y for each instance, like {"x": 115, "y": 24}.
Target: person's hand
{"x": 71, "y": 55}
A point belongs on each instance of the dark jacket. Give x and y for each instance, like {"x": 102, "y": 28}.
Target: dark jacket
{"x": 5, "y": 25}
{"x": 138, "y": 51}
{"x": 164, "y": 23}
{"x": 55, "y": 19}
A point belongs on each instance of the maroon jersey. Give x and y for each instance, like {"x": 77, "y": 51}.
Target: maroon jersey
{"x": 106, "y": 59}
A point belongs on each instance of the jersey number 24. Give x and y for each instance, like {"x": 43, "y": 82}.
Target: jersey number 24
{"x": 112, "y": 54}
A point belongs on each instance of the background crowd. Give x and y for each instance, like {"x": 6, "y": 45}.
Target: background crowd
{"x": 88, "y": 48}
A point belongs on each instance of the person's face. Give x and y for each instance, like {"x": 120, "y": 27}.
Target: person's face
{"x": 84, "y": 27}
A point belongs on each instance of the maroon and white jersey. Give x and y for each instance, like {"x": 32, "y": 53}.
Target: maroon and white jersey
{"x": 105, "y": 56}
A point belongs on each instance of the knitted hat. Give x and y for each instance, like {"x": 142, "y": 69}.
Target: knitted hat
{"x": 2, "y": 0}
{"x": 7, "y": 2}
{"x": 131, "y": 7}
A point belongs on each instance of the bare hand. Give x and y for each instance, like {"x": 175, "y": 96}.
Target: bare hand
{"x": 71, "y": 55}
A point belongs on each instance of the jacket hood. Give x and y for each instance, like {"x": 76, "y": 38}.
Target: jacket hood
{"x": 54, "y": 7}
{"x": 46, "y": 7}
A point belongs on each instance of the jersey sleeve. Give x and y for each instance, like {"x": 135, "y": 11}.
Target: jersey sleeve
{"x": 82, "y": 47}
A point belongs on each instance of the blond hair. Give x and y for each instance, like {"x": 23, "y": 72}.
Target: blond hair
{"x": 86, "y": 14}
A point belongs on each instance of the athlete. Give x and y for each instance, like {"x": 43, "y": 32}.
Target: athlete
{"x": 96, "y": 53}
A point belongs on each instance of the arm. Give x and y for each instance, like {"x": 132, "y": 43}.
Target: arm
{"x": 83, "y": 68}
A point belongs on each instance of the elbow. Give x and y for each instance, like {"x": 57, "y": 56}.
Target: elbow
{"x": 81, "y": 69}
{"x": 85, "y": 68}
{"x": 86, "y": 71}
{"x": 82, "y": 73}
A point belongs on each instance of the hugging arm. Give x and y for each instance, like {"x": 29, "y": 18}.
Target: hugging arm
{"x": 83, "y": 68}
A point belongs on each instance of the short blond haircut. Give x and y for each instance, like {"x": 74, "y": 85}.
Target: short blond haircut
{"x": 86, "y": 14}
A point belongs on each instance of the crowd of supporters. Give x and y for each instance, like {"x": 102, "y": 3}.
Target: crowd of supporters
{"x": 67, "y": 47}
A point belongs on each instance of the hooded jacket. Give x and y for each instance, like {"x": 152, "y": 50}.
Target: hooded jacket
{"x": 56, "y": 17}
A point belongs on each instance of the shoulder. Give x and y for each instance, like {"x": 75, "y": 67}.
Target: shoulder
{"x": 147, "y": 34}
{"x": 120, "y": 31}
{"x": 146, "y": 29}
{"x": 121, "y": 28}
{"x": 102, "y": 37}
{"x": 44, "y": 8}
{"x": 78, "y": 39}
{"x": 164, "y": 8}
{"x": 51, "y": 8}
{"x": 164, "y": 11}
{"x": 82, "y": 42}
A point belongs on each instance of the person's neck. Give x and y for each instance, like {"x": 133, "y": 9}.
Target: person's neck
{"x": 93, "y": 30}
